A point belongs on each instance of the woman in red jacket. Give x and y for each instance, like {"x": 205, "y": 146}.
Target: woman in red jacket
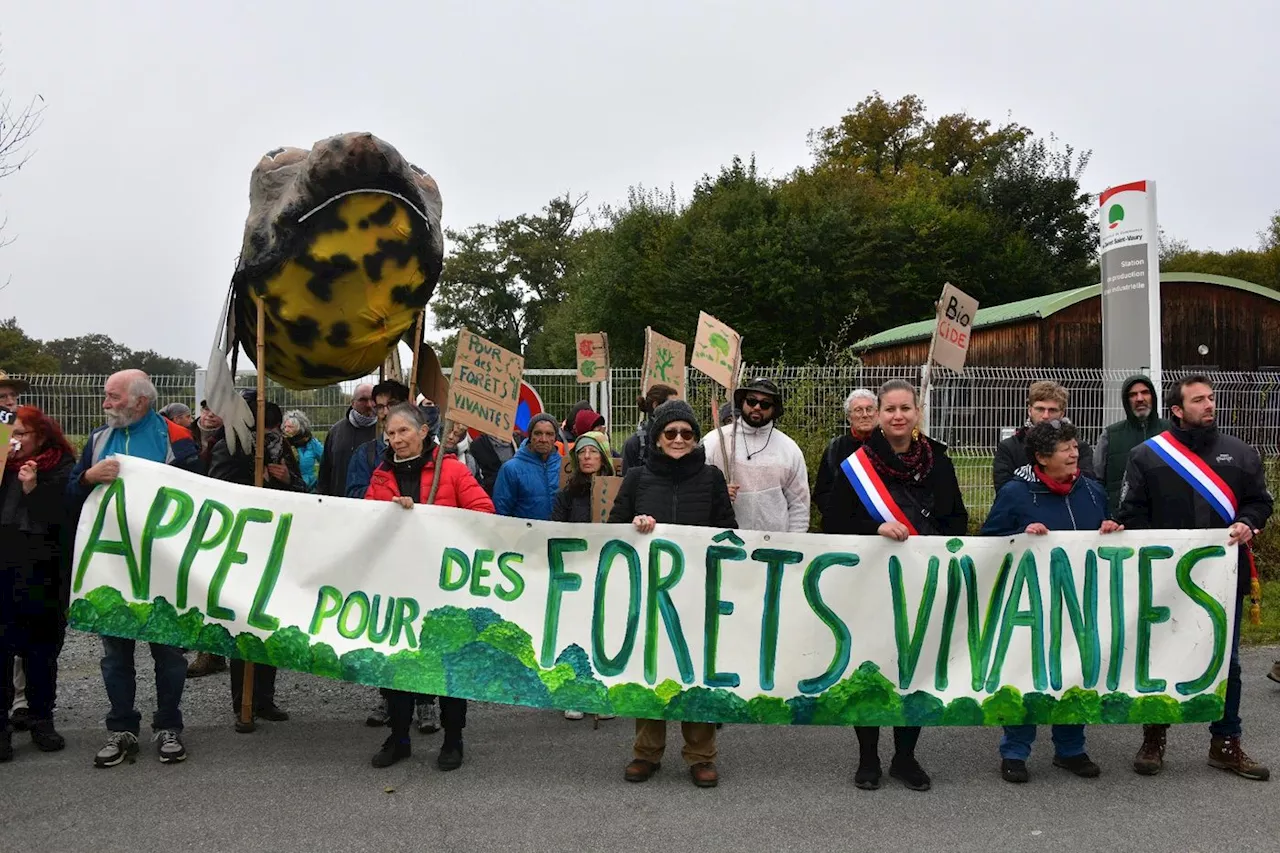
{"x": 404, "y": 476}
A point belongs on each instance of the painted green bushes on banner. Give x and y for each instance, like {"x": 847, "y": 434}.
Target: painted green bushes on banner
{"x": 685, "y": 623}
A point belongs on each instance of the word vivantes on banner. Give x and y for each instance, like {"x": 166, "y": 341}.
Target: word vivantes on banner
{"x": 686, "y": 623}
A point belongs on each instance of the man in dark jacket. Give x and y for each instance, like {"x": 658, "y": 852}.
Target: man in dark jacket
{"x": 355, "y": 428}
{"x": 366, "y": 456}
{"x": 1046, "y": 401}
{"x": 1155, "y": 495}
{"x": 1141, "y": 421}
{"x": 635, "y": 450}
{"x": 280, "y": 471}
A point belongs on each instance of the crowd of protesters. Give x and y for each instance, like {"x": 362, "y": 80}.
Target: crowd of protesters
{"x": 746, "y": 473}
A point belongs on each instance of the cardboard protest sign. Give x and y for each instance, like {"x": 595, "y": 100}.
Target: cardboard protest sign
{"x": 742, "y": 626}
{"x": 484, "y": 387}
{"x": 951, "y": 335}
{"x": 717, "y": 350}
{"x": 663, "y": 362}
{"x": 593, "y": 356}
{"x": 566, "y": 469}
{"x": 603, "y": 492}
{"x": 7, "y": 419}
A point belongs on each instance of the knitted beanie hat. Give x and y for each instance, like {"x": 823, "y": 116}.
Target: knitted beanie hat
{"x": 668, "y": 413}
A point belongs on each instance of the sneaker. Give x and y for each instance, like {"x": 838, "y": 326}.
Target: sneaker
{"x": 6, "y": 745}
{"x": 1226, "y": 753}
{"x": 1150, "y": 758}
{"x": 606, "y": 716}
{"x": 908, "y": 771}
{"x": 450, "y": 757}
{"x": 392, "y": 751}
{"x": 120, "y": 747}
{"x": 20, "y": 719}
{"x": 45, "y": 737}
{"x": 169, "y": 746}
{"x": 428, "y": 718}
{"x": 1014, "y": 770}
{"x": 868, "y": 775}
{"x": 573, "y": 715}
{"x": 1080, "y": 765}
{"x": 271, "y": 713}
{"x": 1274, "y": 674}
{"x": 378, "y": 716}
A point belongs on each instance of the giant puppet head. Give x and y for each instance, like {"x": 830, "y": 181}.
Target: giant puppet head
{"x": 343, "y": 246}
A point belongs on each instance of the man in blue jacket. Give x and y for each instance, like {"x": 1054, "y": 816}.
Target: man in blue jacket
{"x": 134, "y": 429}
{"x": 527, "y": 484}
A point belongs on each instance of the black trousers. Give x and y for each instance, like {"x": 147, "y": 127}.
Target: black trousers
{"x": 453, "y": 714}
{"x": 38, "y": 641}
{"x": 264, "y": 685}
{"x": 904, "y": 740}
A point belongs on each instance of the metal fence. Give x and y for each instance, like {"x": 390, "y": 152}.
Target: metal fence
{"x": 967, "y": 411}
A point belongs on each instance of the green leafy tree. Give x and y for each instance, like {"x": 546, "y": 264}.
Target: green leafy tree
{"x": 105, "y": 599}
{"x": 216, "y": 639}
{"x": 367, "y": 666}
{"x": 636, "y": 700}
{"x": 923, "y": 709}
{"x": 324, "y": 661}
{"x": 577, "y": 659}
{"x": 251, "y": 648}
{"x": 162, "y": 624}
{"x": 710, "y": 704}
{"x": 83, "y": 616}
{"x": 582, "y": 695}
{"x": 190, "y": 624}
{"x": 1115, "y": 707}
{"x": 1155, "y": 709}
{"x": 22, "y": 354}
{"x": 446, "y": 629}
{"x": 122, "y": 621}
{"x": 1205, "y": 708}
{"x": 1259, "y": 265}
{"x": 511, "y": 638}
{"x": 557, "y": 676}
{"x": 1078, "y": 705}
{"x": 487, "y": 674}
{"x": 1004, "y": 707}
{"x": 1040, "y": 708}
{"x": 865, "y": 698}
{"x": 803, "y": 710}
{"x": 770, "y": 710}
{"x": 289, "y": 648}
{"x": 962, "y": 711}
{"x": 668, "y": 689}
{"x": 417, "y": 672}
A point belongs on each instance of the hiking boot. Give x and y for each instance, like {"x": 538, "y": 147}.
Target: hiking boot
{"x": 392, "y": 751}
{"x": 45, "y": 737}
{"x": 868, "y": 775}
{"x": 206, "y": 664}
{"x": 1150, "y": 758}
{"x": 1226, "y": 753}
{"x": 1080, "y": 765}
{"x": 271, "y": 713}
{"x": 573, "y": 715}
{"x": 1014, "y": 770}
{"x": 20, "y": 719}
{"x": 606, "y": 716}
{"x": 704, "y": 774}
{"x": 6, "y": 745}
{"x": 908, "y": 771}
{"x": 450, "y": 757}
{"x": 169, "y": 746}
{"x": 1274, "y": 674}
{"x": 428, "y": 718}
{"x": 640, "y": 770}
{"x": 378, "y": 716}
{"x": 120, "y": 747}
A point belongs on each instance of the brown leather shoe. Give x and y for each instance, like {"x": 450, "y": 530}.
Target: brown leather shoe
{"x": 206, "y": 664}
{"x": 640, "y": 770}
{"x": 1226, "y": 753}
{"x": 1150, "y": 758}
{"x": 704, "y": 775}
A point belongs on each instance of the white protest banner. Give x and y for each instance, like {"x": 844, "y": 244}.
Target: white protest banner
{"x": 951, "y": 335}
{"x": 685, "y": 623}
{"x": 663, "y": 362}
{"x": 484, "y": 387}
{"x": 593, "y": 356}
{"x": 717, "y": 350}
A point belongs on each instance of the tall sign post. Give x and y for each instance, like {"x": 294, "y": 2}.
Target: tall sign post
{"x": 1129, "y": 258}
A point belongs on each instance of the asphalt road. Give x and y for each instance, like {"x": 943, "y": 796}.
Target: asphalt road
{"x": 533, "y": 781}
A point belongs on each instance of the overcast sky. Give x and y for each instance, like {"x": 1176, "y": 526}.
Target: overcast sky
{"x": 129, "y": 216}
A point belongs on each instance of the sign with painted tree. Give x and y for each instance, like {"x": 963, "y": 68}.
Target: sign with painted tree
{"x": 685, "y": 623}
{"x": 717, "y": 350}
{"x": 593, "y": 356}
{"x": 663, "y": 362}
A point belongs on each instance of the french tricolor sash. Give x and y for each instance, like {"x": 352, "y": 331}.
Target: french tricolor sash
{"x": 1197, "y": 473}
{"x": 871, "y": 490}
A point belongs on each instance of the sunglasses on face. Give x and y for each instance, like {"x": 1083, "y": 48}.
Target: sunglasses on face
{"x": 673, "y": 433}
{"x": 762, "y": 403}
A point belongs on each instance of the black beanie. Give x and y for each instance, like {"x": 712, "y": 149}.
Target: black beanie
{"x": 668, "y": 413}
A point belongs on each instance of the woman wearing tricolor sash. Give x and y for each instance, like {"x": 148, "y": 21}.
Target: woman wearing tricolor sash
{"x": 898, "y": 484}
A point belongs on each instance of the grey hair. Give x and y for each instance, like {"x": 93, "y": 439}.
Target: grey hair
{"x": 859, "y": 394}
{"x": 409, "y": 412}
{"x": 898, "y": 385}
{"x": 141, "y": 388}
{"x": 297, "y": 416}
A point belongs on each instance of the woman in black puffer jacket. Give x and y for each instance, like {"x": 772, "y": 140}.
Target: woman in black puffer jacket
{"x": 675, "y": 486}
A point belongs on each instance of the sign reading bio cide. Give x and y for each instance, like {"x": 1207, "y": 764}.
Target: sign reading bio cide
{"x": 956, "y": 312}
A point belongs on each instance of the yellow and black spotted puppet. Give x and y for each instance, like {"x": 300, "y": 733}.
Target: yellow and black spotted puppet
{"x": 343, "y": 244}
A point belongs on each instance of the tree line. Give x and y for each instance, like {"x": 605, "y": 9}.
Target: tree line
{"x": 87, "y": 354}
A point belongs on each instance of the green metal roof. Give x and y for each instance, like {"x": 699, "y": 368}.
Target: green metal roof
{"x": 1039, "y": 307}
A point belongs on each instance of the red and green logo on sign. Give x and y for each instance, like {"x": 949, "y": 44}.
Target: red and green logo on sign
{"x": 1115, "y": 216}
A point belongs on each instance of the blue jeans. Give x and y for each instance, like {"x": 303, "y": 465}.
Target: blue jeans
{"x": 1017, "y": 740}
{"x": 120, "y": 679}
{"x": 1229, "y": 725}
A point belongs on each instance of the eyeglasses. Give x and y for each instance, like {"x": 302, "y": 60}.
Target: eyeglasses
{"x": 866, "y": 410}
{"x": 673, "y": 433}
{"x": 20, "y": 433}
{"x": 762, "y": 403}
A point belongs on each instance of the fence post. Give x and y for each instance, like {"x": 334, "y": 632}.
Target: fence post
{"x": 927, "y": 403}
{"x": 201, "y": 374}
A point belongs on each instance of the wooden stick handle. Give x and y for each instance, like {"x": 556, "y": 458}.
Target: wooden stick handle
{"x": 435, "y": 473}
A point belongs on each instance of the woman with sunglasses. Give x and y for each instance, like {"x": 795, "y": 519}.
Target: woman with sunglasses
{"x": 675, "y": 486}
{"x": 1050, "y": 495}
{"x": 920, "y": 480}
{"x": 32, "y": 577}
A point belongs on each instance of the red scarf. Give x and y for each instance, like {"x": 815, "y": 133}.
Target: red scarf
{"x": 860, "y": 436}
{"x": 46, "y": 460}
{"x": 1054, "y": 486}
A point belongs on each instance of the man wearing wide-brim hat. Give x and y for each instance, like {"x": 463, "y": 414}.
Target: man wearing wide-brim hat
{"x": 10, "y": 388}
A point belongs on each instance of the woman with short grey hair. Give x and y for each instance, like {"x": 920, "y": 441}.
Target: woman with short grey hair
{"x": 860, "y": 410}
{"x": 297, "y": 429}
